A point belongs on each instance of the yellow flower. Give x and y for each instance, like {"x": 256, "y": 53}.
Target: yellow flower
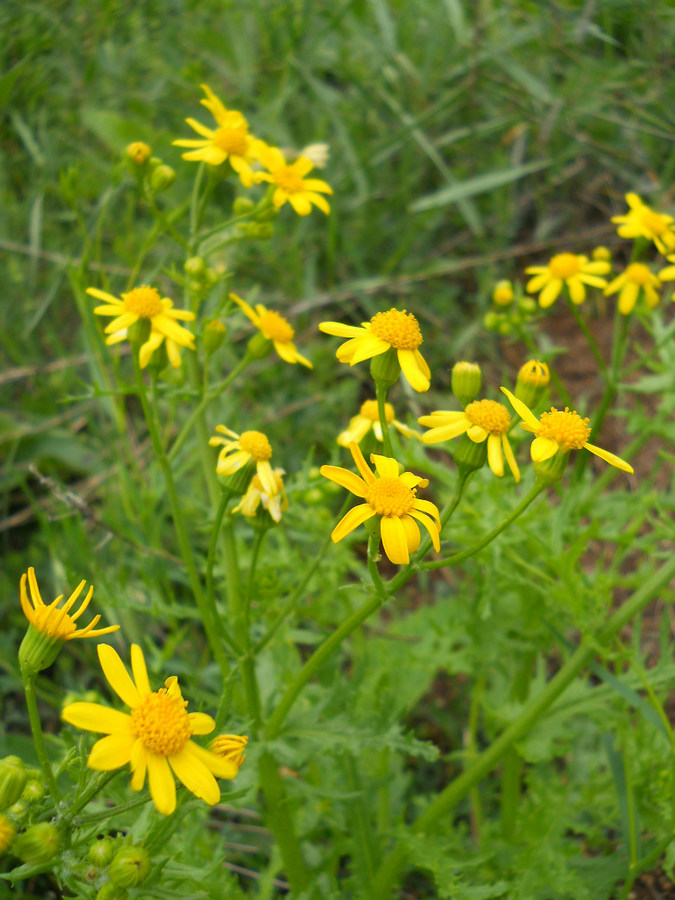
{"x": 566, "y": 268}
{"x": 395, "y": 328}
{"x": 368, "y": 418}
{"x": 55, "y": 621}
{"x": 230, "y": 747}
{"x": 602, "y": 254}
{"x": 635, "y": 278}
{"x": 230, "y": 140}
{"x": 138, "y": 152}
{"x": 562, "y": 431}
{"x": 155, "y": 738}
{"x": 250, "y": 446}
{"x": 668, "y": 274}
{"x": 274, "y": 327}
{"x": 642, "y": 221}
{"x": 256, "y": 494}
{"x": 503, "y": 293}
{"x": 290, "y": 181}
{"x": 145, "y": 303}
{"x": 482, "y": 420}
{"x": 390, "y": 495}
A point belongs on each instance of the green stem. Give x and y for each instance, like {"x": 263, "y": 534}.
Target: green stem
{"x": 455, "y": 792}
{"x": 381, "y": 394}
{"x": 80, "y": 802}
{"x": 373, "y": 555}
{"x": 38, "y": 736}
{"x": 210, "y": 560}
{"x": 590, "y": 340}
{"x": 280, "y": 822}
{"x": 248, "y": 593}
{"x": 555, "y": 378}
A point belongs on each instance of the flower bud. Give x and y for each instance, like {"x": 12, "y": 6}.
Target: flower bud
{"x": 491, "y": 320}
{"x": 230, "y": 746}
{"x": 101, "y": 852}
{"x": 194, "y": 266}
{"x": 263, "y": 231}
{"x": 111, "y": 891}
{"x": 503, "y": 293}
{"x": 162, "y": 178}
{"x": 466, "y": 381}
{"x": 214, "y": 335}
{"x": 130, "y": 867}
{"x": 138, "y": 152}
{"x": 533, "y": 379}
{"x": 33, "y": 792}
{"x": 18, "y": 811}
{"x": 13, "y": 779}
{"x": 259, "y": 346}
{"x": 602, "y": 254}
{"x": 385, "y": 368}
{"x": 242, "y": 205}
{"x": 527, "y": 305}
{"x": 7, "y": 832}
{"x": 38, "y": 844}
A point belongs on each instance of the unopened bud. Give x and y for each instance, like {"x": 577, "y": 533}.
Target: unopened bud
{"x": 503, "y": 293}
{"x": 130, "y": 867}
{"x": 230, "y": 746}
{"x": 102, "y": 852}
{"x": 138, "y": 152}
{"x": 111, "y": 891}
{"x": 242, "y": 205}
{"x": 491, "y": 320}
{"x": 162, "y": 178}
{"x": 7, "y": 832}
{"x": 533, "y": 379}
{"x": 602, "y": 254}
{"x": 194, "y": 266}
{"x": 13, "y": 777}
{"x": 214, "y": 335}
{"x": 33, "y": 792}
{"x": 466, "y": 381}
{"x": 38, "y": 844}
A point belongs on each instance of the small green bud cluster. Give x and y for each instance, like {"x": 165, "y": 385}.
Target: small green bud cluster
{"x": 511, "y": 309}
{"x": 200, "y": 278}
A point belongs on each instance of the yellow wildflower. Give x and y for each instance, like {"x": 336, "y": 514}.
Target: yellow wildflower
{"x": 560, "y": 430}
{"x": 240, "y": 449}
{"x": 395, "y": 328}
{"x": 229, "y": 141}
{"x": 145, "y": 303}
{"x": 642, "y": 221}
{"x": 566, "y": 268}
{"x": 636, "y": 278}
{"x": 482, "y": 420}
{"x": 256, "y": 494}
{"x": 291, "y": 184}
{"x": 367, "y": 418}
{"x": 138, "y": 152}
{"x": 390, "y": 495}
{"x": 155, "y": 738}
{"x": 56, "y": 621}
{"x": 230, "y": 747}
{"x": 274, "y": 327}
{"x": 503, "y": 293}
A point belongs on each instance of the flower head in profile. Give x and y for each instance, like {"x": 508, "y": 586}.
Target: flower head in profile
{"x": 240, "y": 449}
{"x": 155, "y": 738}
{"x": 290, "y": 183}
{"x": 635, "y": 280}
{"x": 229, "y": 141}
{"x": 54, "y": 620}
{"x": 140, "y": 304}
{"x": 395, "y": 329}
{"x": 574, "y": 271}
{"x": 368, "y": 418}
{"x": 230, "y": 747}
{"x": 273, "y": 327}
{"x": 391, "y": 495}
{"x": 642, "y": 221}
{"x": 138, "y": 152}
{"x": 482, "y": 420}
{"x": 560, "y": 431}
{"x": 256, "y": 495}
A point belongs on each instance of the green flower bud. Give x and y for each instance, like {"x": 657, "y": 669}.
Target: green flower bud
{"x": 194, "y": 266}
{"x": 130, "y": 867}
{"x": 7, "y": 832}
{"x": 13, "y": 779}
{"x": 505, "y": 327}
{"x": 385, "y": 369}
{"x": 214, "y": 335}
{"x": 491, "y": 320}
{"x": 102, "y": 852}
{"x": 162, "y": 178}
{"x": 111, "y": 891}
{"x": 33, "y": 792}
{"x": 527, "y": 305}
{"x": 466, "y": 381}
{"x": 242, "y": 205}
{"x": 264, "y": 231}
{"x": 38, "y": 844}
{"x": 18, "y": 811}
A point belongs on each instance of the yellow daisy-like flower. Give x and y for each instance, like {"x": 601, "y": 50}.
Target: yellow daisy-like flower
{"x": 560, "y": 430}
{"x": 230, "y": 747}
{"x": 395, "y": 328}
{"x": 273, "y": 326}
{"x": 291, "y": 184}
{"x": 636, "y": 278}
{"x": 56, "y": 621}
{"x": 642, "y": 221}
{"x": 145, "y": 303}
{"x": 256, "y": 494}
{"x": 368, "y": 418}
{"x": 250, "y": 446}
{"x": 156, "y": 736}
{"x": 390, "y": 495}
{"x": 229, "y": 141}
{"x": 566, "y": 268}
{"x": 482, "y": 420}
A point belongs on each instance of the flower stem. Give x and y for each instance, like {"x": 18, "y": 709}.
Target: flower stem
{"x": 280, "y": 822}
{"x": 210, "y": 560}
{"x": 381, "y": 394}
{"x": 590, "y": 340}
{"x": 38, "y": 736}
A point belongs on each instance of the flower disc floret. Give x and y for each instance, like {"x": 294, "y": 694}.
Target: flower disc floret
{"x": 564, "y": 265}
{"x": 566, "y": 428}
{"x": 390, "y": 497}
{"x": 489, "y": 415}
{"x": 256, "y": 444}
{"x": 144, "y": 302}
{"x": 399, "y": 328}
{"x": 275, "y": 327}
{"x": 161, "y": 722}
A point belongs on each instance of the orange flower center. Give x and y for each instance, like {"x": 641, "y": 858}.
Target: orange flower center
{"x": 490, "y": 415}
{"x": 638, "y": 273}
{"x": 564, "y": 265}
{"x": 390, "y": 497}
{"x": 255, "y": 443}
{"x": 652, "y": 221}
{"x": 535, "y": 373}
{"x": 369, "y": 411}
{"x": 233, "y": 136}
{"x": 289, "y": 180}
{"x": 276, "y": 328}
{"x": 398, "y": 328}
{"x": 161, "y": 722}
{"x": 567, "y": 428}
{"x": 144, "y": 302}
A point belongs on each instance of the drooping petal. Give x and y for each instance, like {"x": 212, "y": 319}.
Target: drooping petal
{"x": 477, "y": 434}
{"x": 139, "y": 670}
{"x": 523, "y": 411}
{"x": 610, "y": 458}
{"x": 316, "y": 184}
{"x": 300, "y": 204}
{"x": 430, "y": 526}
{"x": 120, "y": 323}
{"x": 139, "y": 765}
{"x": 422, "y": 364}
{"x": 195, "y": 776}
{"x": 510, "y": 458}
{"x": 217, "y": 765}
{"x": 266, "y": 476}
{"x": 394, "y": 540}
{"x": 355, "y": 517}
{"x": 534, "y": 285}
{"x": 111, "y": 752}
{"x": 96, "y": 717}
{"x": 162, "y": 785}
{"x": 428, "y": 507}
{"x": 200, "y": 723}
{"x": 550, "y": 293}
{"x": 628, "y": 298}
{"x": 368, "y": 347}
{"x": 578, "y": 291}
{"x": 117, "y": 675}
{"x": 494, "y": 454}
{"x": 543, "y": 448}
{"x": 412, "y": 533}
{"x": 357, "y": 429}
{"x": 416, "y": 378}
{"x": 318, "y": 201}
{"x": 345, "y": 479}
{"x": 171, "y": 329}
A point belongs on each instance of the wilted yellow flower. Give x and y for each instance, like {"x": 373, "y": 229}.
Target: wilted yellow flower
{"x": 565, "y": 268}
{"x": 367, "y": 418}
{"x": 390, "y": 495}
{"x": 145, "y": 303}
{"x": 230, "y": 747}
{"x": 274, "y": 327}
{"x": 240, "y": 449}
{"x": 256, "y": 494}
{"x": 155, "y": 738}
{"x": 229, "y": 141}
{"x": 291, "y": 184}
{"x": 395, "y": 328}
{"x": 636, "y": 278}
{"x": 54, "y": 620}
{"x": 642, "y": 221}
{"x": 138, "y": 152}
{"x": 560, "y": 430}
{"x": 482, "y": 420}
{"x": 503, "y": 293}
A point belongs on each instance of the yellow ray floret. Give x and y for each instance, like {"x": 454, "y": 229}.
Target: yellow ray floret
{"x": 390, "y": 494}
{"x": 56, "y": 621}
{"x": 240, "y": 449}
{"x": 367, "y": 418}
{"x": 273, "y": 326}
{"x": 290, "y": 183}
{"x": 569, "y": 269}
{"x": 155, "y": 738}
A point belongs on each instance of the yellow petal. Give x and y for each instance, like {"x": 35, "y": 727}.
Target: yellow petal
{"x": 550, "y": 293}
{"x": 217, "y": 765}
{"x": 477, "y": 434}
{"x": 139, "y": 670}
{"x": 394, "y": 540}
{"x": 412, "y": 533}
{"x": 195, "y": 776}
{"x": 355, "y": 517}
{"x": 430, "y": 526}
{"x": 162, "y": 785}
{"x": 117, "y": 675}
{"x": 416, "y": 378}
{"x": 139, "y": 765}
{"x": 610, "y": 458}
{"x": 543, "y": 448}
{"x": 200, "y": 723}
{"x": 111, "y": 752}
{"x": 96, "y": 717}
{"x": 385, "y": 466}
{"x": 345, "y": 479}
{"x": 337, "y": 329}
{"x": 361, "y": 464}
{"x": 494, "y": 454}
{"x": 510, "y": 458}
{"x": 523, "y": 411}
{"x": 446, "y": 432}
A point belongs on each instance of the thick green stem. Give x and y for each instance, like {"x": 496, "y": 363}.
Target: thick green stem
{"x": 210, "y": 560}
{"x": 280, "y": 822}
{"x": 381, "y": 394}
{"x": 455, "y": 792}
{"x": 38, "y": 736}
